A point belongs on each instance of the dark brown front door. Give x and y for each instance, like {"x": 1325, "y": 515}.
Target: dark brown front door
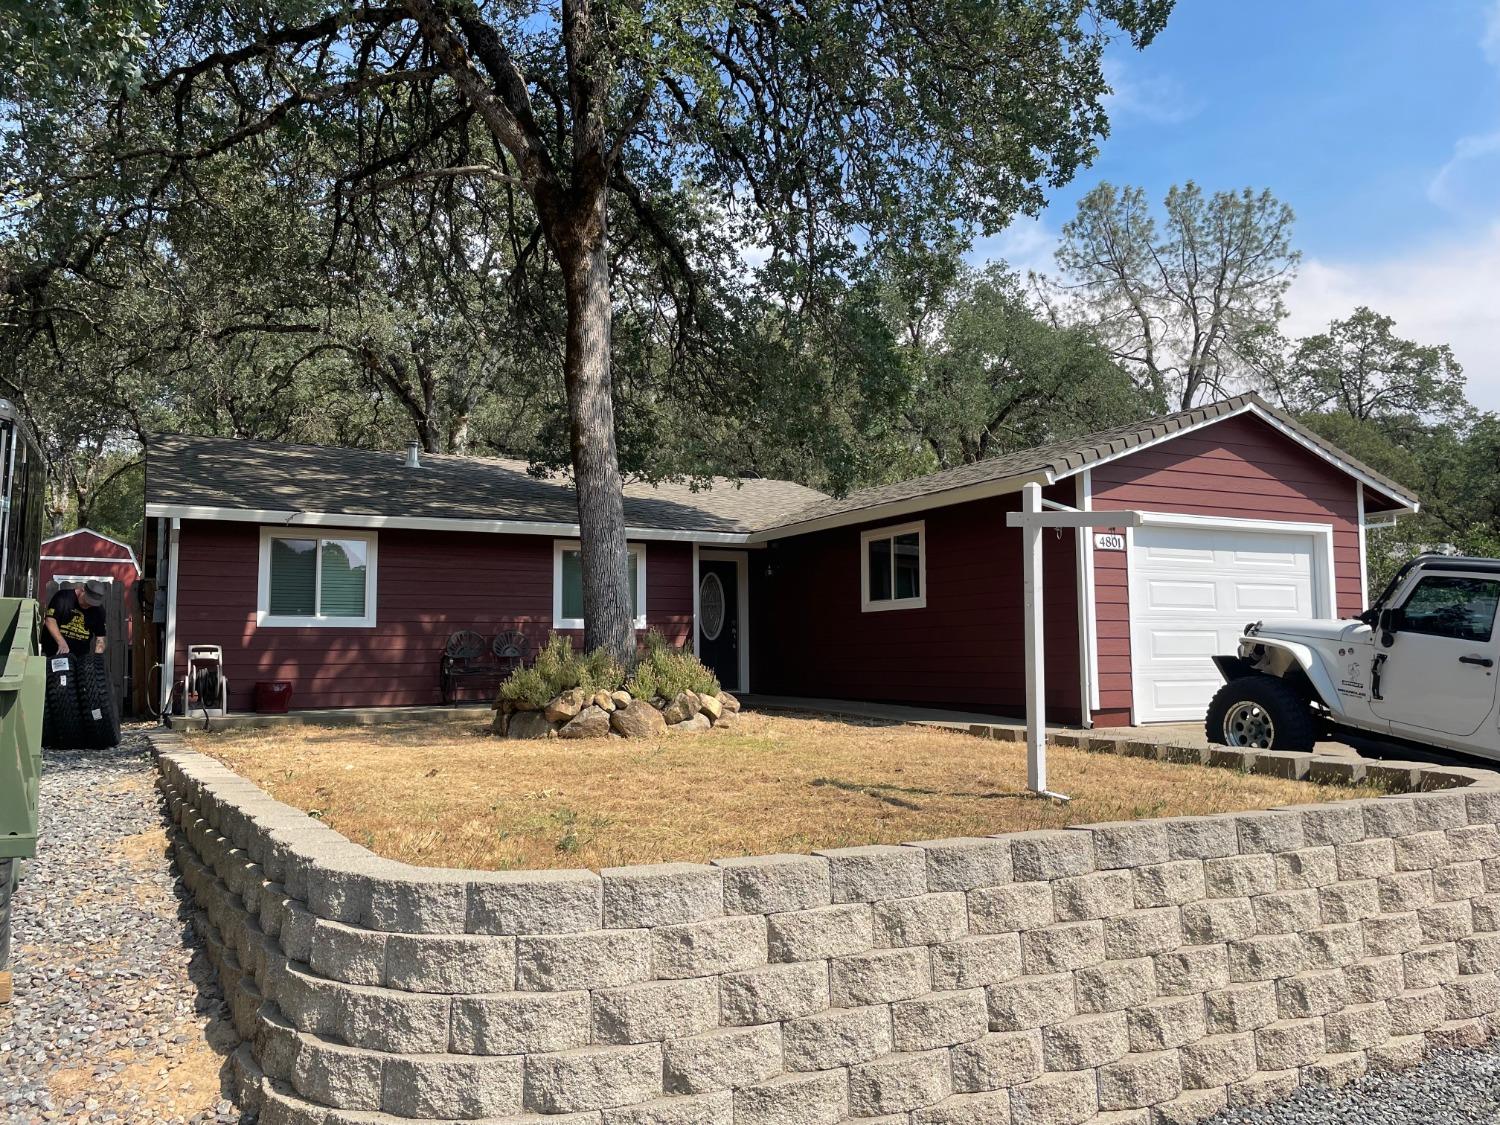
{"x": 719, "y": 620}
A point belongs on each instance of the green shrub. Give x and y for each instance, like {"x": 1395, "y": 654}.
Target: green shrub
{"x": 661, "y": 671}
{"x": 558, "y": 668}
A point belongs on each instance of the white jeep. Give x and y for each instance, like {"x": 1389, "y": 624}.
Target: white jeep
{"x": 1418, "y": 665}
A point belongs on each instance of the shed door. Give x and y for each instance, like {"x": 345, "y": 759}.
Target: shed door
{"x": 1192, "y": 592}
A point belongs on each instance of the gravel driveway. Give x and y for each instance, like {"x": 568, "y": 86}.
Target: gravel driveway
{"x": 117, "y": 1015}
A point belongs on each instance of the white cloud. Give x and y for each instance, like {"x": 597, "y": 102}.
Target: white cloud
{"x": 1445, "y": 293}
{"x": 1465, "y": 185}
{"x": 1490, "y": 41}
{"x": 1027, "y": 244}
{"x": 1157, "y": 98}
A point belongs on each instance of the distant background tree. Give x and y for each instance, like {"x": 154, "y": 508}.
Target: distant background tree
{"x": 1190, "y": 305}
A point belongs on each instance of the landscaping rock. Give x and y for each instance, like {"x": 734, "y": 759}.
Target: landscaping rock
{"x": 566, "y": 705}
{"x": 621, "y": 698}
{"x": 523, "y": 705}
{"x": 500, "y": 722}
{"x": 604, "y": 701}
{"x": 729, "y": 702}
{"x": 710, "y": 706}
{"x": 637, "y": 719}
{"x": 682, "y": 708}
{"x": 697, "y": 724}
{"x": 591, "y": 722}
{"x": 528, "y": 724}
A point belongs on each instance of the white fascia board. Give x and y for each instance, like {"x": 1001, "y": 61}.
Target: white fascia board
{"x": 1407, "y": 504}
{"x": 981, "y": 491}
{"x": 285, "y": 518}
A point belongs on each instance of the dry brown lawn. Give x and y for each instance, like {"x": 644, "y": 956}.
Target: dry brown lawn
{"x": 453, "y": 796}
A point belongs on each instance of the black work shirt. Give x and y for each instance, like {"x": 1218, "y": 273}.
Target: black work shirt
{"x": 78, "y": 626}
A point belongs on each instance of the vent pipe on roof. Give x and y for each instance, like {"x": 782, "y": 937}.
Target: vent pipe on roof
{"x": 413, "y": 455}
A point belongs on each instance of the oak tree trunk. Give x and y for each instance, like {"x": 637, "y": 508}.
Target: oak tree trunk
{"x": 609, "y": 616}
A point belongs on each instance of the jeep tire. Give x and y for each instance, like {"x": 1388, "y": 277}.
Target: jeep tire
{"x": 62, "y": 728}
{"x": 1260, "y": 713}
{"x": 8, "y": 868}
{"x": 98, "y": 716}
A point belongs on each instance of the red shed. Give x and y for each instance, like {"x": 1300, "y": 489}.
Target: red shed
{"x": 88, "y": 554}
{"x": 344, "y": 571}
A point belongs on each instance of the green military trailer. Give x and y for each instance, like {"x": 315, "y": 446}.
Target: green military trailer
{"x": 23, "y": 675}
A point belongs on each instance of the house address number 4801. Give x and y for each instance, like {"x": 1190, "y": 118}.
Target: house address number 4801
{"x": 1109, "y": 541}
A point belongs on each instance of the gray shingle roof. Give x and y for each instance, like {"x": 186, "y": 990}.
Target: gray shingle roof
{"x": 267, "y": 476}
{"x": 1065, "y": 458}
{"x": 212, "y": 472}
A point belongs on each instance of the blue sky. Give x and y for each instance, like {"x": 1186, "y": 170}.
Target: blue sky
{"x": 1378, "y": 122}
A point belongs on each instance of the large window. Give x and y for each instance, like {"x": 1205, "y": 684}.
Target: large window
{"x": 1460, "y": 608}
{"x": 316, "y": 579}
{"x": 567, "y": 584}
{"x": 893, "y": 567}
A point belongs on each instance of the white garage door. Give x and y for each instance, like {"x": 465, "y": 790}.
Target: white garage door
{"x": 1192, "y": 592}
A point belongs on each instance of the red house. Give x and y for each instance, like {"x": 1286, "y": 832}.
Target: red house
{"x": 88, "y": 554}
{"x": 345, "y": 571}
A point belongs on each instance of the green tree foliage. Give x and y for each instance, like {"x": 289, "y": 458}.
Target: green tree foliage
{"x": 1190, "y": 304}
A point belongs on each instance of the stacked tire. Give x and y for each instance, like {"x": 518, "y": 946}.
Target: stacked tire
{"x": 81, "y": 711}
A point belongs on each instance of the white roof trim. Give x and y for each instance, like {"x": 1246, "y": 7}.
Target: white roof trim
{"x": 1407, "y": 504}
{"x": 91, "y": 558}
{"x": 284, "y": 518}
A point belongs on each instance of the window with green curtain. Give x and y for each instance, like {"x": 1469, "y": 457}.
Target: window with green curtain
{"x": 294, "y": 577}
{"x": 572, "y": 584}
{"x": 345, "y": 568}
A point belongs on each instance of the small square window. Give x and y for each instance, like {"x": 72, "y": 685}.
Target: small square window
{"x": 567, "y": 584}
{"x": 894, "y": 568}
{"x": 310, "y": 580}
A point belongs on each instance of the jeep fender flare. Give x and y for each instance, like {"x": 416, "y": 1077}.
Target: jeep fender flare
{"x": 1285, "y": 660}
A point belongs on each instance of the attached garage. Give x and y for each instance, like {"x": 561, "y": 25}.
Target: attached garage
{"x": 1194, "y": 586}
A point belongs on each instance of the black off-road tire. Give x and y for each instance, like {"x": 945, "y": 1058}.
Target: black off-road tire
{"x": 1293, "y": 725}
{"x": 62, "y": 728}
{"x": 7, "y": 880}
{"x": 99, "y": 717}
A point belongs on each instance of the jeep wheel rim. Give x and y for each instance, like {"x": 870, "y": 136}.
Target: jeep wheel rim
{"x": 1248, "y": 724}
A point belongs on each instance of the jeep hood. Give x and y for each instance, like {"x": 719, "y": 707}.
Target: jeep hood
{"x": 1311, "y": 630}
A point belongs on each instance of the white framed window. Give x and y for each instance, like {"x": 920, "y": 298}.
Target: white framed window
{"x": 319, "y": 578}
{"x": 567, "y": 583}
{"x": 893, "y": 567}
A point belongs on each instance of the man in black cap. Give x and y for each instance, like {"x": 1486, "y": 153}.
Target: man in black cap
{"x": 75, "y": 620}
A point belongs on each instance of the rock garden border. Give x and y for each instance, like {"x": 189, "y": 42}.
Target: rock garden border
{"x": 1133, "y": 973}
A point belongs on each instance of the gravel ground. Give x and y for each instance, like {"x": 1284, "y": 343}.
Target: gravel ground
{"x": 117, "y": 1014}
{"x": 1448, "y": 1088}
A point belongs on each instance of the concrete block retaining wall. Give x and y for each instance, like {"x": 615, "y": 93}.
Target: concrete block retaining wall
{"x": 1126, "y": 974}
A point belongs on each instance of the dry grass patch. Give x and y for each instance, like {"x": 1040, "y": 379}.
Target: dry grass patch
{"x": 452, "y": 796}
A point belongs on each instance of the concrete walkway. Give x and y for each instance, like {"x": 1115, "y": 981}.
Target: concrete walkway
{"x": 335, "y": 717}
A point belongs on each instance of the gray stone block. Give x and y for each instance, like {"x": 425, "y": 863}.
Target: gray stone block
{"x": 1101, "y": 894}
{"x": 996, "y": 1061}
{"x": 472, "y": 963}
{"x": 1349, "y": 902}
{"x": 939, "y": 1019}
{"x": 876, "y": 871}
{"x": 336, "y": 1075}
{"x": 837, "y": 1037}
{"x": 601, "y": 959}
{"x": 593, "y": 1078}
{"x": 1062, "y": 947}
{"x": 656, "y": 1010}
{"x": 1138, "y": 1081}
{"x": 1085, "y": 1041}
{"x": 1218, "y": 1060}
{"x": 820, "y": 933}
{"x": 1164, "y": 1023}
{"x": 1173, "y": 883}
{"x": 1011, "y": 908}
{"x": 1193, "y": 968}
{"x": 534, "y": 902}
{"x": 966, "y": 863}
{"x": 899, "y": 1083}
{"x": 1218, "y": 920}
{"x": 1030, "y": 1002}
{"x": 928, "y": 919}
{"x": 1050, "y": 854}
{"x": 1288, "y": 1044}
{"x": 346, "y": 953}
{"x": 1240, "y": 876}
{"x": 1142, "y": 933}
{"x": 1286, "y": 912}
{"x": 520, "y": 1022}
{"x": 427, "y": 1086}
{"x": 1115, "y": 985}
{"x": 1446, "y": 921}
{"x": 718, "y": 945}
{"x": 1366, "y": 859}
{"x": 879, "y": 977}
{"x": 773, "y": 993}
{"x": 1417, "y": 1013}
{"x": 1390, "y": 816}
{"x": 418, "y": 900}
{"x": 384, "y": 1020}
{"x": 1357, "y": 1028}
{"x": 1311, "y": 994}
{"x": 1056, "y": 1099}
{"x": 715, "y": 1108}
{"x": 976, "y": 961}
{"x": 1264, "y": 957}
{"x": 966, "y": 1109}
{"x": 1128, "y": 843}
{"x": 1201, "y": 837}
{"x": 723, "y": 1059}
{"x": 774, "y": 883}
{"x": 820, "y": 1098}
{"x": 1332, "y": 947}
{"x": 1307, "y": 868}
{"x": 661, "y": 894}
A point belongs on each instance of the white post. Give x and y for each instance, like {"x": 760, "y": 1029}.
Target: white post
{"x": 1036, "y": 680}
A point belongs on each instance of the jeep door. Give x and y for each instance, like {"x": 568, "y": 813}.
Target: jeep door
{"x": 1437, "y": 674}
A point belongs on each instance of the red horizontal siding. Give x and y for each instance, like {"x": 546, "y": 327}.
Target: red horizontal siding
{"x": 809, "y": 636}
{"x": 428, "y": 585}
{"x": 1240, "y": 468}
